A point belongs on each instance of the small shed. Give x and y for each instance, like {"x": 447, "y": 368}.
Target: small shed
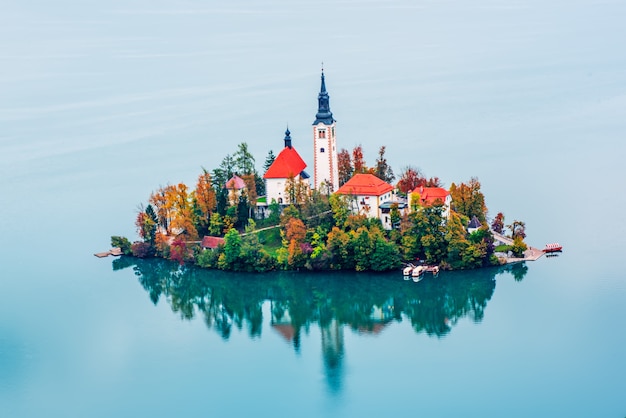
{"x": 211, "y": 243}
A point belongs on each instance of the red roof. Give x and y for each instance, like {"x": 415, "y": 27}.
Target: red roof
{"x": 287, "y": 163}
{"x": 365, "y": 185}
{"x": 212, "y": 242}
{"x": 429, "y": 195}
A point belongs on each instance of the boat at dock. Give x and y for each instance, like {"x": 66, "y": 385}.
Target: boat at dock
{"x": 553, "y": 248}
{"x": 417, "y": 272}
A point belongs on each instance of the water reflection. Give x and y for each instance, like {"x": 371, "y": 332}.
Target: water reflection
{"x": 366, "y": 303}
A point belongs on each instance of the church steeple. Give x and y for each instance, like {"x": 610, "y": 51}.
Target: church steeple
{"x": 324, "y": 115}
{"x": 326, "y": 170}
{"x": 287, "y": 138}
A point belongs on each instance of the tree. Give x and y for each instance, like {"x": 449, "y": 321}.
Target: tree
{"x": 163, "y": 206}
{"x": 363, "y": 248}
{"x": 358, "y": 163}
{"x": 269, "y": 160}
{"x": 383, "y": 170}
{"x": 518, "y": 229}
{"x": 229, "y": 260}
{"x": 244, "y": 160}
{"x": 122, "y": 243}
{"x": 468, "y": 200}
{"x": 339, "y": 206}
{"x": 518, "y": 247}
{"x": 498, "y": 223}
{"x": 183, "y": 222}
{"x": 216, "y": 224}
{"x": 146, "y": 223}
{"x": 385, "y": 255}
{"x": 205, "y": 199}
{"x": 410, "y": 178}
{"x": 296, "y": 191}
{"x": 224, "y": 172}
{"x": 344, "y": 164}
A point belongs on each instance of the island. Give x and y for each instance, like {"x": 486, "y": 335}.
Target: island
{"x": 349, "y": 216}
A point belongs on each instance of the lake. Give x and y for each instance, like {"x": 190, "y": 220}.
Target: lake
{"x": 100, "y": 104}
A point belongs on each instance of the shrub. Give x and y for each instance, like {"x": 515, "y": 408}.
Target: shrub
{"x": 123, "y": 243}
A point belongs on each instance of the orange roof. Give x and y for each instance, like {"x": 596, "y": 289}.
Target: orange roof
{"x": 287, "y": 163}
{"x": 429, "y": 195}
{"x": 365, "y": 185}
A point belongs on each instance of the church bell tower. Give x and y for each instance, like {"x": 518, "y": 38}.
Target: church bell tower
{"x": 326, "y": 169}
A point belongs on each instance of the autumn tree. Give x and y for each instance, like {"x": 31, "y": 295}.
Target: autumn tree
{"x": 161, "y": 202}
{"x": 205, "y": 200}
{"x": 296, "y": 191}
{"x": 292, "y": 253}
{"x": 410, "y": 178}
{"x": 358, "y": 162}
{"x": 468, "y": 200}
{"x": 498, "y": 223}
{"x": 344, "y": 163}
{"x": 183, "y": 222}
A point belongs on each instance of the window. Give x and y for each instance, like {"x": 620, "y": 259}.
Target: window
{"x": 321, "y": 149}
{"x": 321, "y": 133}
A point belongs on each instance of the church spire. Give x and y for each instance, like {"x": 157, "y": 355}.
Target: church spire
{"x": 324, "y": 115}
{"x": 287, "y": 138}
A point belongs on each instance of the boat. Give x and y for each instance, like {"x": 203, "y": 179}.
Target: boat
{"x": 418, "y": 273}
{"x": 407, "y": 270}
{"x": 553, "y": 248}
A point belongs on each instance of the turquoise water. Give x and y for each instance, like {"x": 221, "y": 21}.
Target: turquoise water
{"x": 102, "y": 103}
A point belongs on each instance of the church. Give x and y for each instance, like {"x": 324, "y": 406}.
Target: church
{"x": 288, "y": 166}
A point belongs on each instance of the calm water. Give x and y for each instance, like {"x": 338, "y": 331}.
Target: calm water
{"x": 102, "y": 103}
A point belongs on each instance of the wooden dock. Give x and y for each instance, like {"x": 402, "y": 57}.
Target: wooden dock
{"x": 113, "y": 251}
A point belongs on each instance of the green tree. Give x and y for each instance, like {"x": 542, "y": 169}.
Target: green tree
{"x": 122, "y": 243}
{"x": 340, "y": 209}
{"x": 363, "y": 248}
{"x": 269, "y": 160}
{"x": 229, "y": 260}
{"x": 244, "y": 160}
{"x": 383, "y": 170}
{"x": 385, "y": 255}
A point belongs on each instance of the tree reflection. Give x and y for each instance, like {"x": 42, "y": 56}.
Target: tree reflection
{"x": 366, "y": 303}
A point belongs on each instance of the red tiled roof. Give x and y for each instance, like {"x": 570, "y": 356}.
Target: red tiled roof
{"x": 212, "y": 242}
{"x": 365, "y": 185}
{"x": 429, "y": 195}
{"x": 236, "y": 183}
{"x": 287, "y": 163}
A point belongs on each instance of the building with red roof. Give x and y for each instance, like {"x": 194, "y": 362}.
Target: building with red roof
{"x": 287, "y": 164}
{"x": 427, "y": 196}
{"x": 235, "y": 186}
{"x": 367, "y": 193}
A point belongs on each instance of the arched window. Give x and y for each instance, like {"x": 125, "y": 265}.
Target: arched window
{"x": 322, "y": 150}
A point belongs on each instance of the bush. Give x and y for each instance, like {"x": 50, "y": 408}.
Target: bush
{"x": 123, "y": 243}
{"x": 142, "y": 249}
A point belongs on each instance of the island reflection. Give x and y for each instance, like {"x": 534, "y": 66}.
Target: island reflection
{"x": 366, "y": 303}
